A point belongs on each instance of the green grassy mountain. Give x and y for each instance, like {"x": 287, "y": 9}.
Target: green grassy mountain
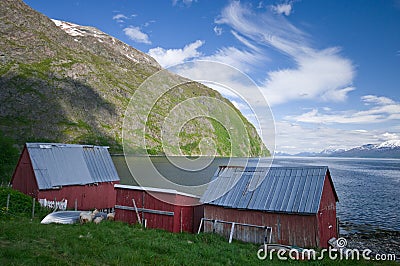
{"x": 61, "y": 82}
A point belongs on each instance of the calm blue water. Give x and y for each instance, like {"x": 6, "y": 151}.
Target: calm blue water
{"x": 368, "y": 189}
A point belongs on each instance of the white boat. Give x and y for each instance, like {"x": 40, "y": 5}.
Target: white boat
{"x": 62, "y": 217}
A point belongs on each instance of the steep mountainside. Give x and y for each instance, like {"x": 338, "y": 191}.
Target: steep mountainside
{"x": 62, "y": 82}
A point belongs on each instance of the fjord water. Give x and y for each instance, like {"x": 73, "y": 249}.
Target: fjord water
{"x": 368, "y": 189}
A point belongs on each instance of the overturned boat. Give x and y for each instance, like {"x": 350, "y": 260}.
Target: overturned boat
{"x": 62, "y": 217}
{"x": 71, "y": 217}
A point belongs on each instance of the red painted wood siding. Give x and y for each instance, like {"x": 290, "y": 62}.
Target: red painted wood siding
{"x": 23, "y": 178}
{"x": 287, "y": 229}
{"x": 101, "y": 196}
{"x": 327, "y": 226}
{"x": 186, "y": 218}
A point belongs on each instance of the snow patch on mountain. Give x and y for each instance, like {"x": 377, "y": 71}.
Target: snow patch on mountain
{"x": 394, "y": 143}
{"x": 70, "y": 28}
{"x": 91, "y": 34}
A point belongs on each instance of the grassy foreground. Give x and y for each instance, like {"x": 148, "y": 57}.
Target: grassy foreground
{"x": 113, "y": 243}
{"x": 24, "y": 241}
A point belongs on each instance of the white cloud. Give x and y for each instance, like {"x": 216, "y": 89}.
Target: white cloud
{"x": 218, "y": 30}
{"x": 322, "y": 74}
{"x": 282, "y": 8}
{"x": 360, "y": 130}
{"x": 119, "y": 17}
{"x": 183, "y": 2}
{"x": 337, "y": 95}
{"x": 347, "y": 117}
{"x": 390, "y": 136}
{"x": 146, "y": 24}
{"x": 170, "y": 57}
{"x": 135, "y": 34}
{"x": 244, "y": 41}
{"x": 241, "y": 59}
{"x": 381, "y": 109}
{"x": 373, "y": 99}
{"x": 294, "y": 138}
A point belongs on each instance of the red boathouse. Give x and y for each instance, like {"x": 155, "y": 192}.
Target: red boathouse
{"x": 297, "y": 203}
{"x": 82, "y": 175}
{"x": 158, "y": 208}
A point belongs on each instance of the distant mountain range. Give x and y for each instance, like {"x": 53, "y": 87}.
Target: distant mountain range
{"x": 387, "y": 149}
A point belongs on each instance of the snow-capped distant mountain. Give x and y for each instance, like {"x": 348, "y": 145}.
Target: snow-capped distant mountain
{"x": 330, "y": 151}
{"x": 390, "y": 144}
{"x": 387, "y": 149}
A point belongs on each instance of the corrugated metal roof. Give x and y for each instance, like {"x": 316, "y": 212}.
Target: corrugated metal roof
{"x": 153, "y": 189}
{"x": 57, "y": 164}
{"x": 275, "y": 189}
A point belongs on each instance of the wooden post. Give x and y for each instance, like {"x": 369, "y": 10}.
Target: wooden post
{"x": 76, "y": 204}
{"x": 143, "y": 195}
{"x": 201, "y": 223}
{"x": 181, "y": 221}
{"x": 214, "y": 225}
{"x": 33, "y": 208}
{"x": 8, "y": 201}
{"x": 136, "y": 210}
{"x": 231, "y": 234}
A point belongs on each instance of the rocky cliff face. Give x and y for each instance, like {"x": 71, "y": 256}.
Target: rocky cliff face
{"x": 63, "y": 82}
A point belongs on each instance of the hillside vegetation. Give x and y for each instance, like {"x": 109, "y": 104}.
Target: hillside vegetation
{"x": 8, "y": 158}
{"x": 72, "y": 83}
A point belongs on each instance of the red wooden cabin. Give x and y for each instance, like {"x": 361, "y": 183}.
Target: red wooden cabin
{"x": 298, "y": 203}
{"x": 159, "y": 208}
{"x": 84, "y": 175}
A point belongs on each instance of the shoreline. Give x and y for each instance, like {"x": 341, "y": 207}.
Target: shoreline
{"x": 378, "y": 240}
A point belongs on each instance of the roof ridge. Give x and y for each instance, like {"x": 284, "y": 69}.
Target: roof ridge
{"x": 62, "y": 145}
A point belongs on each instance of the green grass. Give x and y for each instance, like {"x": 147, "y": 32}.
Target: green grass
{"x": 4, "y": 68}
{"x": 40, "y": 69}
{"x": 113, "y": 243}
{"x": 191, "y": 148}
{"x": 223, "y": 139}
{"x": 24, "y": 241}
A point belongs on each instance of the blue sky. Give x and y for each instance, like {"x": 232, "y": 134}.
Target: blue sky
{"x": 330, "y": 69}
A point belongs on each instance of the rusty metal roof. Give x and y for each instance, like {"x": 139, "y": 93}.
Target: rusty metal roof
{"x": 275, "y": 189}
{"x": 58, "y": 165}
